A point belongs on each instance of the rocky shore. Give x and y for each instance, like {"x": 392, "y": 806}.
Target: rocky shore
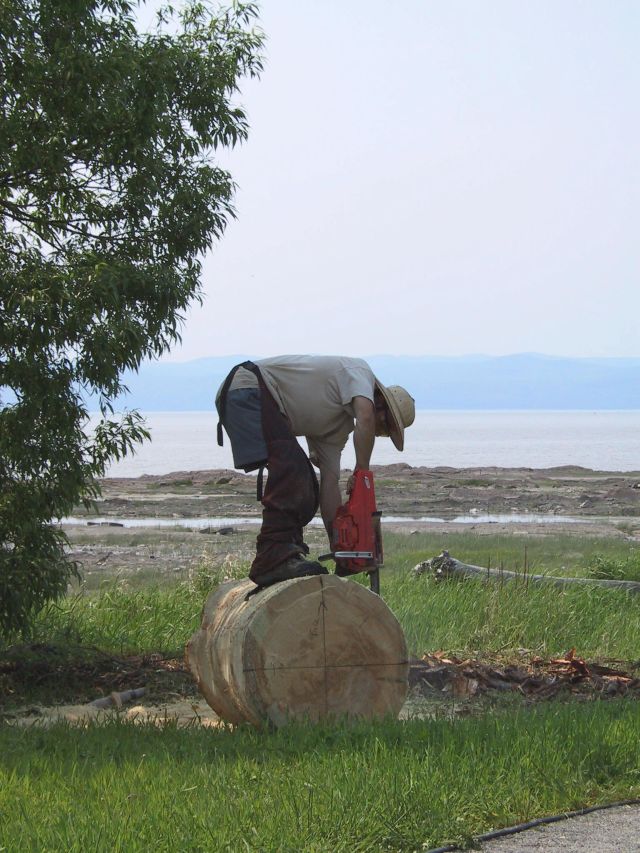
{"x": 401, "y": 490}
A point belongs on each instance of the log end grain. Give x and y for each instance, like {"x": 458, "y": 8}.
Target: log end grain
{"x": 311, "y": 648}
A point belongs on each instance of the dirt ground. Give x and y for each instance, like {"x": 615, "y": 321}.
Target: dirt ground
{"x": 438, "y": 686}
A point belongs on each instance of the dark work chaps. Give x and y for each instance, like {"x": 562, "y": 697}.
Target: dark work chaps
{"x": 291, "y": 494}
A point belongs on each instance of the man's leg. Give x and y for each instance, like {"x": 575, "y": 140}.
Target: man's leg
{"x": 260, "y": 435}
{"x": 290, "y": 498}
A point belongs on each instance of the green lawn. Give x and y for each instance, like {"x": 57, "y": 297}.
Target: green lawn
{"x": 391, "y": 786}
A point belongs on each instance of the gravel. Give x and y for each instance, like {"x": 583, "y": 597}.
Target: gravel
{"x": 615, "y": 829}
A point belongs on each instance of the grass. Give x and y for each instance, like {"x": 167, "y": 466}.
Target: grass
{"x": 124, "y": 621}
{"x": 471, "y": 617}
{"x": 391, "y": 786}
{"x": 131, "y": 537}
{"x": 466, "y": 617}
{"x": 555, "y": 554}
{"x": 625, "y": 568}
{"x": 475, "y": 482}
{"x": 172, "y": 485}
{"x": 459, "y": 616}
{"x": 386, "y": 787}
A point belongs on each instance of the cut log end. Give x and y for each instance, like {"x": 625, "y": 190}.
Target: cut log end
{"x": 311, "y": 648}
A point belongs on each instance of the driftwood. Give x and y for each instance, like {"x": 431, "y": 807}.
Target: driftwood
{"x": 308, "y": 648}
{"x": 118, "y": 699}
{"x": 444, "y": 566}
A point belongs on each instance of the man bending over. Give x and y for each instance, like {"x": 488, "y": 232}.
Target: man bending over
{"x": 264, "y": 405}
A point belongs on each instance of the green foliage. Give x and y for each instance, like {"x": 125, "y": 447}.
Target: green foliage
{"x": 618, "y": 569}
{"x": 554, "y": 553}
{"x": 108, "y": 198}
{"x": 210, "y": 575}
{"x": 473, "y": 616}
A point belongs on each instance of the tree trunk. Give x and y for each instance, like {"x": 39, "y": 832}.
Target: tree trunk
{"x": 308, "y": 648}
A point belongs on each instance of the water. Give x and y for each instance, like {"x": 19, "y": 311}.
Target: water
{"x": 609, "y": 441}
{"x": 199, "y": 523}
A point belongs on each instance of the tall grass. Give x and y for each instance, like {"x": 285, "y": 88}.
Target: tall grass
{"x": 467, "y": 616}
{"x": 473, "y": 616}
{"x": 121, "y": 620}
{"x": 373, "y": 787}
{"x": 624, "y": 568}
{"x": 565, "y": 554}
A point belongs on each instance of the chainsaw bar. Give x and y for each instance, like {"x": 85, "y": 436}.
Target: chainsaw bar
{"x": 356, "y": 555}
{"x": 374, "y": 581}
{"x": 374, "y": 574}
{"x": 345, "y": 555}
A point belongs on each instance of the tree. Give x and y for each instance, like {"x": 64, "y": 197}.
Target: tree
{"x": 108, "y": 199}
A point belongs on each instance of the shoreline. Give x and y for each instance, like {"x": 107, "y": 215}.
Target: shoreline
{"x": 440, "y": 493}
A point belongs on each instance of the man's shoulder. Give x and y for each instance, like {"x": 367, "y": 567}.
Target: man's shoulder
{"x": 355, "y": 363}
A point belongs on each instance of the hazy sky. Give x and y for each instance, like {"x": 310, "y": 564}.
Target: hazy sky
{"x": 425, "y": 177}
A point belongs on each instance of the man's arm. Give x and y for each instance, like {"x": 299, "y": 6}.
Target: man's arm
{"x": 364, "y": 433}
{"x": 330, "y": 499}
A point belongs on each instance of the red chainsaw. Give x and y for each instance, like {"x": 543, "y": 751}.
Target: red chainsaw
{"x": 357, "y": 535}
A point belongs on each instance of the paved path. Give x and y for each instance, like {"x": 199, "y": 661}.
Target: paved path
{"x": 615, "y": 830}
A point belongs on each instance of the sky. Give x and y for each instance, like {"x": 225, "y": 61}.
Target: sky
{"x": 433, "y": 178}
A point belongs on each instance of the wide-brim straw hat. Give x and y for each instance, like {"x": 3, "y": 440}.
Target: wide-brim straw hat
{"x": 401, "y": 410}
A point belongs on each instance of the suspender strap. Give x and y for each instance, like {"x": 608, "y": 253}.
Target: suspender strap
{"x": 260, "y": 483}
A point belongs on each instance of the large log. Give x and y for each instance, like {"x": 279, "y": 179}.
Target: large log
{"x": 444, "y": 566}
{"x": 308, "y": 648}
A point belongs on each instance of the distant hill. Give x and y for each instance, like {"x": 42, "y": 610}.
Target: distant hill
{"x": 524, "y": 381}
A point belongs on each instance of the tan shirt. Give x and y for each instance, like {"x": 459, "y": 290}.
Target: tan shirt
{"x": 315, "y": 393}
